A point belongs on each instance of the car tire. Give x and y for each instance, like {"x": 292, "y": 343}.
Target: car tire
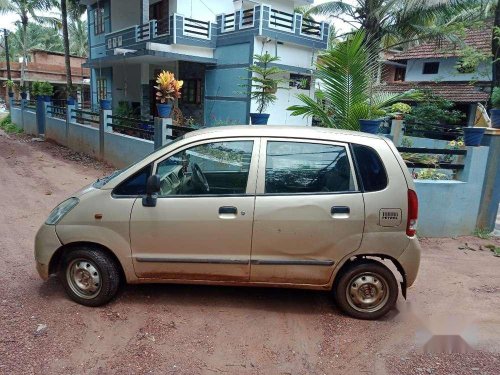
{"x": 90, "y": 276}
{"x": 366, "y": 290}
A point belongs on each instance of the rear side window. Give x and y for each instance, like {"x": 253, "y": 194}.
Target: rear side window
{"x": 135, "y": 184}
{"x": 371, "y": 168}
{"x": 299, "y": 167}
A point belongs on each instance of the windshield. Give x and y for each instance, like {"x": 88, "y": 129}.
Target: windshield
{"x": 100, "y": 182}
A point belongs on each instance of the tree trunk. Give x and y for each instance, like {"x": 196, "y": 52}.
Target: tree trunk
{"x": 24, "y": 22}
{"x": 67, "y": 60}
{"x": 495, "y": 48}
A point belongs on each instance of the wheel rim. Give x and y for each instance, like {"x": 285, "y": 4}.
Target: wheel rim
{"x": 84, "y": 278}
{"x": 367, "y": 292}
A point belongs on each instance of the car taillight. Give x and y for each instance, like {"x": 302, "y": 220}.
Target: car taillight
{"x": 411, "y": 226}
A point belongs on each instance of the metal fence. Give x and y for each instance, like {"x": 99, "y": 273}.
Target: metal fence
{"x": 134, "y": 127}
{"x": 446, "y": 132}
{"x": 57, "y": 111}
{"x": 85, "y": 117}
{"x": 417, "y": 157}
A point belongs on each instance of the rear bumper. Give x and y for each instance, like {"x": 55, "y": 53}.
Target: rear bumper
{"x": 46, "y": 244}
{"x": 410, "y": 261}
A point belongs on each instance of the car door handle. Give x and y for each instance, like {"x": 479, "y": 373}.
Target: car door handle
{"x": 340, "y": 210}
{"x": 228, "y": 210}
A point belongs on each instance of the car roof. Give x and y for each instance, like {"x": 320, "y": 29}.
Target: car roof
{"x": 285, "y": 131}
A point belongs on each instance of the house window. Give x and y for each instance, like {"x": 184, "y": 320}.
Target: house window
{"x": 431, "y": 68}
{"x": 101, "y": 88}
{"x": 98, "y": 20}
{"x": 191, "y": 91}
{"x": 399, "y": 74}
{"x": 300, "y": 81}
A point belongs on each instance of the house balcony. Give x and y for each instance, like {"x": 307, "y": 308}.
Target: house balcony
{"x": 261, "y": 20}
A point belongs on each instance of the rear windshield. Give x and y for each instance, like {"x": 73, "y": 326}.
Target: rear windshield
{"x": 371, "y": 168}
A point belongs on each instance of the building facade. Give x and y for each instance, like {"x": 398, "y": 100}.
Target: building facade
{"x": 209, "y": 45}
{"x": 46, "y": 66}
{"x": 440, "y": 68}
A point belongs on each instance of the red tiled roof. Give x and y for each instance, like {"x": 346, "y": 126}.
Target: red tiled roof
{"x": 478, "y": 38}
{"x": 456, "y": 92}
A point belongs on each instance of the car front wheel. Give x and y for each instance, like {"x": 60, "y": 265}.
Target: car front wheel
{"x": 366, "y": 290}
{"x": 90, "y": 276}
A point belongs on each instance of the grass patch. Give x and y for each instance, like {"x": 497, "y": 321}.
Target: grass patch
{"x": 7, "y": 126}
{"x": 482, "y": 233}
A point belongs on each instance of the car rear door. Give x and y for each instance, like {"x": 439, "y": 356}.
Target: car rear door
{"x": 309, "y": 211}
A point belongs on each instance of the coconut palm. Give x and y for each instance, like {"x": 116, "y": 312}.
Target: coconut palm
{"x": 396, "y": 22}
{"x": 26, "y": 10}
{"x": 37, "y": 37}
{"x": 347, "y": 95}
{"x": 69, "y": 9}
{"x": 78, "y": 38}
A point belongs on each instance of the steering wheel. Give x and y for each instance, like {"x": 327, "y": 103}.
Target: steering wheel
{"x": 199, "y": 178}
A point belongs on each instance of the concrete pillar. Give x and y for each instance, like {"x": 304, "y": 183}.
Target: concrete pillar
{"x": 490, "y": 197}
{"x": 144, "y": 4}
{"x": 163, "y": 133}
{"x": 24, "y": 102}
{"x": 145, "y": 91}
{"x": 104, "y": 124}
{"x": 397, "y": 131}
{"x": 41, "y": 113}
{"x": 70, "y": 107}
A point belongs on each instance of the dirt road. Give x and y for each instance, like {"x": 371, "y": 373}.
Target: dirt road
{"x": 171, "y": 329}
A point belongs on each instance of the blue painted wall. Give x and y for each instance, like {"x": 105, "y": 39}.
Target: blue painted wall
{"x": 96, "y": 42}
{"x": 226, "y": 101}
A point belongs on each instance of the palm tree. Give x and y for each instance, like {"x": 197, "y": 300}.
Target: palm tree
{"x": 74, "y": 13}
{"x": 37, "y": 37}
{"x": 26, "y": 10}
{"x": 78, "y": 38}
{"x": 396, "y": 22}
{"x": 347, "y": 95}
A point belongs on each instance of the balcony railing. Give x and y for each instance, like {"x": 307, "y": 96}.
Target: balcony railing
{"x": 259, "y": 20}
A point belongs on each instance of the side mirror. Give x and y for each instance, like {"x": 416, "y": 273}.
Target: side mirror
{"x": 152, "y": 187}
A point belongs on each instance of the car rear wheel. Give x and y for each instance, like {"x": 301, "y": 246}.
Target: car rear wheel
{"x": 90, "y": 276}
{"x": 366, "y": 290}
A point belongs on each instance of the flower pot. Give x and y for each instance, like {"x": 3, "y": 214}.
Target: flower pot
{"x": 495, "y": 118}
{"x": 24, "y": 95}
{"x": 259, "y": 118}
{"x": 11, "y": 94}
{"x": 105, "y": 104}
{"x": 40, "y": 98}
{"x": 473, "y": 136}
{"x": 369, "y": 126}
{"x": 164, "y": 109}
{"x": 70, "y": 101}
{"x": 47, "y": 98}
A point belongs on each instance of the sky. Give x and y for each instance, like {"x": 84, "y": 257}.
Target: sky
{"x": 7, "y": 20}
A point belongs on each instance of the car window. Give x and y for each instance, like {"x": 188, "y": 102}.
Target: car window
{"x": 210, "y": 168}
{"x": 298, "y": 167}
{"x": 371, "y": 168}
{"x": 135, "y": 184}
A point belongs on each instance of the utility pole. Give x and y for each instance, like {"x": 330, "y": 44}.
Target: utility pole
{"x": 7, "y": 57}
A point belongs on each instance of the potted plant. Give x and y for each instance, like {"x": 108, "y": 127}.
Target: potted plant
{"x": 46, "y": 90}
{"x": 168, "y": 89}
{"x": 37, "y": 90}
{"x": 11, "y": 85}
{"x": 495, "y": 111}
{"x": 473, "y": 136}
{"x": 264, "y": 84}
{"x": 399, "y": 110}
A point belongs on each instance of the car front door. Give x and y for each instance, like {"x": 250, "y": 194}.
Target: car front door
{"x": 201, "y": 226}
{"x": 309, "y": 212}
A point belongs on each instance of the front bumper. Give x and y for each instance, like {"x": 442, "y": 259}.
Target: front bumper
{"x": 410, "y": 261}
{"x": 46, "y": 244}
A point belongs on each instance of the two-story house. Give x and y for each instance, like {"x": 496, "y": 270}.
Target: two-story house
{"x": 441, "y": 68}
{"x": 209, "y": 45}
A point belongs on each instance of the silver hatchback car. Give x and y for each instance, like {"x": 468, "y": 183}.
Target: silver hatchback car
{"x": 276, "y": 206}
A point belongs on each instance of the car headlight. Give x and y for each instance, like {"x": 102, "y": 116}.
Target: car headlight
{"x": 62, "y": 209}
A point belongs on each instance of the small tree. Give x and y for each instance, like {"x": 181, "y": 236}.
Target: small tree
{"x": 265, "y": 80}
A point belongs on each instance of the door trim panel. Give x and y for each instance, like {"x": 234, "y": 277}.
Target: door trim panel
{"x": 191, "y": 260}
{"x": 292, "y": 262}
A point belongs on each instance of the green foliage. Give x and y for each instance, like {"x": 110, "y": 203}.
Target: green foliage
{"x": 46, "y": 88}
{"x": 10, "y": 84}
{"x": 433, "y": 110}
{"x": 265, "y": 80}
{"x": 347, "y": 74}
{"x": 495, "y": 98}
{"x": 406, "y": 142}
{"x": 36, "y": 89}
{"x": 7, "y": 125}
{"x": 402, "y": 108}
{"x": 431, "y": 174}
{"x": 482, "y": 233}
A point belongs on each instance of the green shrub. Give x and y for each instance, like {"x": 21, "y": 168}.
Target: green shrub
{"x": 495, "y": 98}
